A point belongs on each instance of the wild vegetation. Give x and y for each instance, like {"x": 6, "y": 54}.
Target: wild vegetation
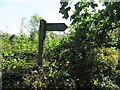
{"x": 86, "y": 58}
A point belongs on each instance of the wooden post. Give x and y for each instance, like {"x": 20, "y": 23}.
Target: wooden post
{"x": 42, "y": 33}
{"x": 41, "y": 40}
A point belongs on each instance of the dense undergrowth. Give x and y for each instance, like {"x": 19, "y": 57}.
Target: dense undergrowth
{"x": 84, "y": 59}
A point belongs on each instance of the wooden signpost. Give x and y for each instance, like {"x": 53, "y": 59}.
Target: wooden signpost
{"x": 42, "y": 33}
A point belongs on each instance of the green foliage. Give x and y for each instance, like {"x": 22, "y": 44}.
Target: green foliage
{"x": 19, "y": 59}
{"x": 33, "y": 27}
{"x": 90, "y": 53}
{"x": 86, "y": 58}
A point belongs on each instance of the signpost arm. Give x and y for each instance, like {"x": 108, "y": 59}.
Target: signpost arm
{"x": 41, "y": 39}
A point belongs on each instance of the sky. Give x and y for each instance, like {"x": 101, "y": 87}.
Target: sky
{"x": 13, "y": 11}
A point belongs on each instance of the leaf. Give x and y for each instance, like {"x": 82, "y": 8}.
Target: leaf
{"x": 68, "y": 8}
{"x": 93, "y": 5}
{"x": 66, "y": 15}
{"x": 14, "y": 67}
{"x": 73, "y": 16}
{"x": 77, "y": 5}
{"x": 62, "y": 10}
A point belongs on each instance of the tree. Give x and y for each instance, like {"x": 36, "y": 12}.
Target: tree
{"x": 80, "y": 58}
{"x": 34, "y": 26}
